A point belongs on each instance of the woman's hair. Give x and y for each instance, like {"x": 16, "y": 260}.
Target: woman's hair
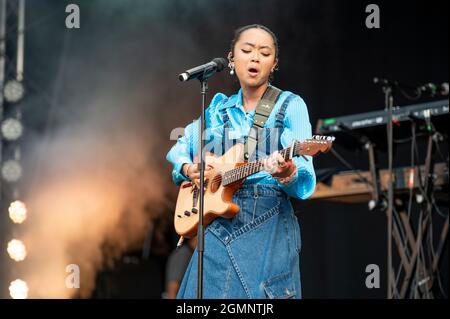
{"x": 238, "y": 32}
{"x": 237, "y": 35}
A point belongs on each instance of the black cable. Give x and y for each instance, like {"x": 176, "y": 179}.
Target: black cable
{"x": 426, "y": 253}
{"x": 397, "y": 220}
{"x": 412, "y": 157}
{"x": 441, "y": 289}
{"x": 410, "y": 97}
{"x": 438, "y": 148}
{"x": 418, "y": 247}
{"x": 425, "y": 243}
{"x": 428, "y": 201}
{"x": 421, "y": 262}
{"x": 439, "y": 273}
{"x": 350, "y": 167}
{"x": 403, "y": 244}
{"x": 429, "y": 269}
{"x": 420, "y": 180}
{"x": 411, "y": 190}
{"x": 436, "y": 207}
{"x": 432, "y": 254}
{"x": 407, "y": 139}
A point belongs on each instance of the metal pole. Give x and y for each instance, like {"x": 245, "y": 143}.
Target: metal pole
{"x": 3, "y": 289}
{"x": 20, "y": 40}
{"x": 201, "y": 228}
{"x": 389, "y": 105}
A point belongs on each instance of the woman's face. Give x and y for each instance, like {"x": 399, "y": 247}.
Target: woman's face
{"x": 254, "y": 57}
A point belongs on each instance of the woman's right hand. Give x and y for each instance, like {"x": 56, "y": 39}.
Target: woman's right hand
{"x": 192, "y": 172}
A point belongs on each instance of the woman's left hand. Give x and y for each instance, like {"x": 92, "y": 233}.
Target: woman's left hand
{"x": 278, "y": 167}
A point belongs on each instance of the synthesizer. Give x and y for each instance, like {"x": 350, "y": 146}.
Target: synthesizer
{"x": 356, "y": 129}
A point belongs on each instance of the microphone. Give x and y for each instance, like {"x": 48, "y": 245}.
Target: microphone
{"x": 433, "y": 89}
{"x": 204, "y": 71}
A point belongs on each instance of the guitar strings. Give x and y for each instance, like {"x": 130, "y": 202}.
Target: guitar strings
{"x": 232, "y": 175}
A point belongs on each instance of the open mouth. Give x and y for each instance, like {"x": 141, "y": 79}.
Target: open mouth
{"x": 253, "y": 71}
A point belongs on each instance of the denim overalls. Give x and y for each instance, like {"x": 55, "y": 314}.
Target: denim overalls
{"x": 255, "y": 254}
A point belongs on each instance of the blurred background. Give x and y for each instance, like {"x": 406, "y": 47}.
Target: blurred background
{"x": 93, "y": 109}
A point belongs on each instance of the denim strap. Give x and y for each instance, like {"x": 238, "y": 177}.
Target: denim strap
{"x": 279, "y": 119}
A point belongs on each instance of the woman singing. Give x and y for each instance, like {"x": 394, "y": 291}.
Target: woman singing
{"x": 256, "y": 253}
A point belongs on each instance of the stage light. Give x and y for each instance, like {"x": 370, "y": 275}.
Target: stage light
{"x": 11, "y": 171}
{"x": 17, "y": 212}
{"x": 13, "y": 91}
{"x": 11, "y": 129}
{"x": 18, "y": 289}
{"x": 16, "y": 250}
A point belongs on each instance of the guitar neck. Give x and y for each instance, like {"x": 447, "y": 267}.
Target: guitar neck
{"x": 243, "y": 171}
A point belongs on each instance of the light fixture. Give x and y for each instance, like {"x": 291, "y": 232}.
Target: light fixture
{"x": 17, "y": 212}
{"x": 11, "y": 171}
{"x": 16, "y": 250}
{"x": 11, "y": 129}
{"x": 13, "y": 91}
{"x": 18, "y": 289}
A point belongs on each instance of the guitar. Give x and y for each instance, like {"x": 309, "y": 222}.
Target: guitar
{"x": 226, "y": 175}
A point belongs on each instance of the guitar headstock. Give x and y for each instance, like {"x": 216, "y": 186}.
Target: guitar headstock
{"x": 315, "y": 145}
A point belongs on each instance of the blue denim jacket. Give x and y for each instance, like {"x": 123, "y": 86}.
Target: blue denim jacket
{"x": 296, "y": 127}
{"x": 255, "y": 254}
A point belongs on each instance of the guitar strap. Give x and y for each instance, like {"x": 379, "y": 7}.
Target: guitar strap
{"x": 263, "y": 110}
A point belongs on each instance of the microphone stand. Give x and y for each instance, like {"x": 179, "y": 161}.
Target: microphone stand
{"x": 389, "y": 101}
{"x": 388, "y": 89}
{"x": 201, "y": 229}
{"x": 208, "y": 70}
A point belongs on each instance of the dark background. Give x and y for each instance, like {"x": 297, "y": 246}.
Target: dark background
{"x": 327, "y": 56}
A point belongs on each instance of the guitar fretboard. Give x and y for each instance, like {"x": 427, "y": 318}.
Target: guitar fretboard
{"x": 251, "y": 168}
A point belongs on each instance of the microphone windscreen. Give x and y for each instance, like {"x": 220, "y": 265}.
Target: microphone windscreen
{"x": 221, "y": 63}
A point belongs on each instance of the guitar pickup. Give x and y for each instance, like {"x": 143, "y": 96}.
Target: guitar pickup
{"x": 187, "y": 213}
{"x": 194, "y": 210}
